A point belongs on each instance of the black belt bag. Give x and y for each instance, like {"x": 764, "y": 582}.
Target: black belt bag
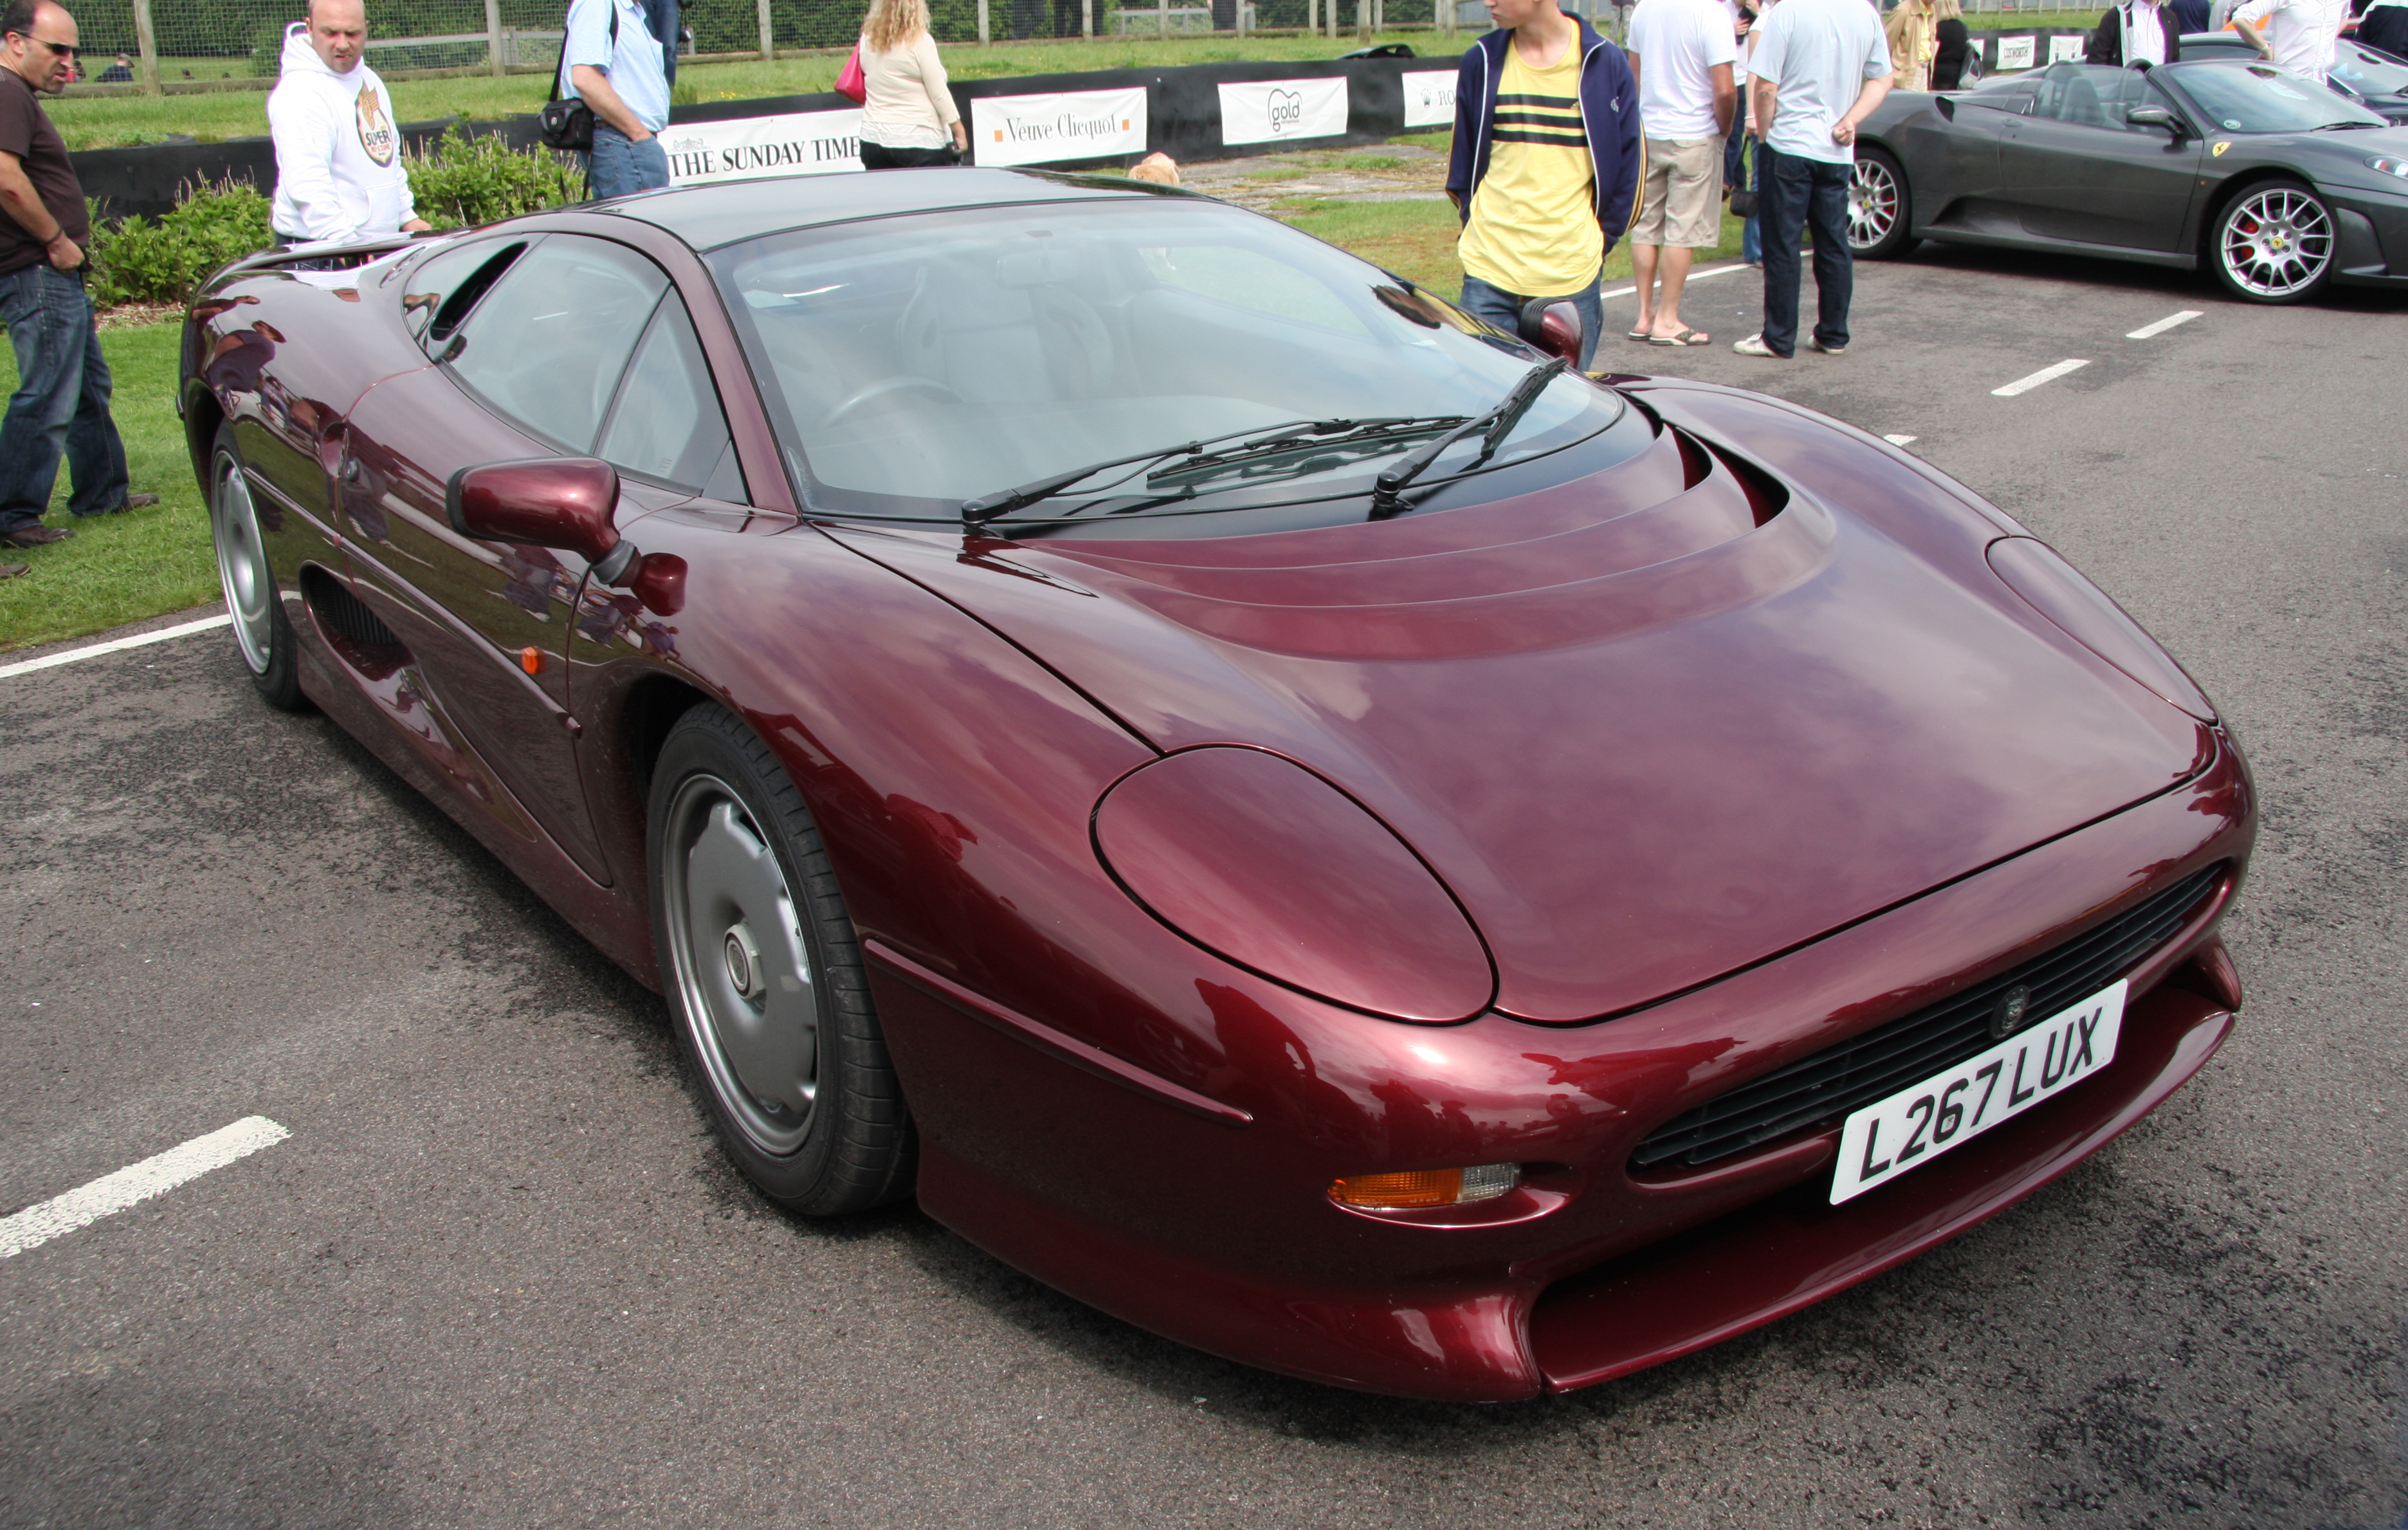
{"x": 569, "y": 125}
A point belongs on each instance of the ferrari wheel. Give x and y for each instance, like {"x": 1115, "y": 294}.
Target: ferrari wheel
{"x": 763, "y": 974}
{"x": 1878, "y": 208}
{"x": 263, "y": 635}
{"x": 2273, "y": 243}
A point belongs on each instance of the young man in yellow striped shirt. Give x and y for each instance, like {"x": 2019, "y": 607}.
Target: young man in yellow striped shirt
{"x": 1547, "y": 163}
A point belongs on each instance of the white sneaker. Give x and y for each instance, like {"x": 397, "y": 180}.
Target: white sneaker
{"x": 1754, "y": 346}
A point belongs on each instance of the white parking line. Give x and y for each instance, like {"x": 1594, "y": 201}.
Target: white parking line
{"x": 135, "y": 1184}
{"x": 1899, "y": 440}
{"x": 115, "y": 645}
{"x": 2145, "y": 331}
{"x": 2046, "y": 374}
{"x": 1694, "y": 275}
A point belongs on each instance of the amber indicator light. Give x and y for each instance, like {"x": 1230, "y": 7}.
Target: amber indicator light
{"x": 531, "y": 660}
{"x": 1416, "y": 1189}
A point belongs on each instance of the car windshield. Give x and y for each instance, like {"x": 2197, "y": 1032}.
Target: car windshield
{"x": 930, "y": 361}
{"x": 2366, "y": 71}
{"x": 2260, "y": 98}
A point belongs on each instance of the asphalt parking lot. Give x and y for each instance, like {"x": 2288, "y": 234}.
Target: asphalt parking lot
{"x": 498, "y": 1273}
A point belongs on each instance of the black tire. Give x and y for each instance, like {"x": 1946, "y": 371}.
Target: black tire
{"x": 816, "y": 1121}
{"x": 2274, "y": 241}
{"x": 1881, "y": 207}
{"x": 263, "y": 634}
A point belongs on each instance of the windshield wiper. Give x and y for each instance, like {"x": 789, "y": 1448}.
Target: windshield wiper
{"x": 1309, "y": 437}
{"x": 978, "y": 512}
{"x": 2340, "y": 128}
{"x": 1387, "y": 494}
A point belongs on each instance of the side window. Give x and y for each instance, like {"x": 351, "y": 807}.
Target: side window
{"x": 547, "y": 345}
{"x": 439, "y": 295}
{"x": 666, "y": 424}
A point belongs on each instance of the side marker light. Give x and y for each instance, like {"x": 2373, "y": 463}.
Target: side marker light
{"x": 531, "y": 660}
{"x": 1420, "y": 1189}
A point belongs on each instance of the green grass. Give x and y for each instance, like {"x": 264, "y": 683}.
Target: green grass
{"x": 111, "y": 121}
{"x": 119, "y": 569}
{"x": 1416, "y": 239}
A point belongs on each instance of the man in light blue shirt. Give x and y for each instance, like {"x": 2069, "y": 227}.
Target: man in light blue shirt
{"x": 614, "y": 65}
{"x": 1820, "y": 68}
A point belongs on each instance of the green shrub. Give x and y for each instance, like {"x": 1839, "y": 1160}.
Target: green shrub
{"x": 140, "y": 260}
{"x": 464, "y": 181}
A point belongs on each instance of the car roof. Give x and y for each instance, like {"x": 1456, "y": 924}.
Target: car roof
{"x": 707, "y": 217}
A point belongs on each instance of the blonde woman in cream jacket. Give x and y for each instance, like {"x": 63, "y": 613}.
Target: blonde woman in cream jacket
{"x": 909, "y": 118}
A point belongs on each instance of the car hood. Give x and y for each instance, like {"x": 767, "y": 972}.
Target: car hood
{"x": 1652, "y": 725}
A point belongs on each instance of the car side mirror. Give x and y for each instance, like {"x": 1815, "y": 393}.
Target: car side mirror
{"x": 1553, "y": 325}
{"x": 2155, "y": 117}
{"x": 564, "y": 503}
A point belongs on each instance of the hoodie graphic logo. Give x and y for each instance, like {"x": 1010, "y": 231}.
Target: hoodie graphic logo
{"x": 377, "y": 137}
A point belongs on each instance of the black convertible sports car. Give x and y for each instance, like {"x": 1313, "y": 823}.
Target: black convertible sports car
{"x": 2277, "y": 186}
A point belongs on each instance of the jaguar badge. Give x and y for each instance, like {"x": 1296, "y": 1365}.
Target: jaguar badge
{"x": 2007, "y": 1015}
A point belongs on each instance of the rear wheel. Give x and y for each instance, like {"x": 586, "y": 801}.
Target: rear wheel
{"x": 263, "y": 636}
{"x": 764, "y": 974}
{"x": 2273, "y": 243}
{"x": 1878, "y": 206}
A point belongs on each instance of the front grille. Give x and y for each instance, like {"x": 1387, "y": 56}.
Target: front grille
{"x": 1878, "y": 1063}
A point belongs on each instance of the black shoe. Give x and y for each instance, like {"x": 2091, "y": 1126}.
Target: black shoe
{"x": 36, "y": 534}
{"x": 133, "y": 502}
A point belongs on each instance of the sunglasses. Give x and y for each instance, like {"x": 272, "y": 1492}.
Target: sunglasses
{"x": 59, "y": 49}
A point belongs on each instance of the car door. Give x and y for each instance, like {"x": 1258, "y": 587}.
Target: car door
{"x": 529, "y": 353}
{"x": 2074, "y": 170}
{"x": 1953, "y": 165}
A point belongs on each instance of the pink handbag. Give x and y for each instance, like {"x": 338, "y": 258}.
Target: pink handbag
{"x": 851, "y": 82}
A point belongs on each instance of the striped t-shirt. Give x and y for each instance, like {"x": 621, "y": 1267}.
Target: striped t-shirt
{"x": 1533, "y": 230}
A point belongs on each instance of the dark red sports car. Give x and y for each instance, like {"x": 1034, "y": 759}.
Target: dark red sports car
{"x": 1272, "y": 807}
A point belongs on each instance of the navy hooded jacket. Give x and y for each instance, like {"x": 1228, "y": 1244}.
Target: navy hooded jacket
{"x": 1608, "y": 105}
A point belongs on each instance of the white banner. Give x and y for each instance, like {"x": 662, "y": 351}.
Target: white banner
{"x": 1429, "y": 98}
{"x": 806, "y": 143}
{"x": 2065, "y": 49}
{"x": 1279, "y": 110}
{"x": 1073, "y": 126}
{"x": 2016, "y": 53}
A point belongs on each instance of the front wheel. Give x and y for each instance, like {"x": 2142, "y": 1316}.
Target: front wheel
{"x": 765, "y": 977}
{"x": 2273, "y": 243}
{"x": 263, "y": 635}
{"x": 1878, "y": 208}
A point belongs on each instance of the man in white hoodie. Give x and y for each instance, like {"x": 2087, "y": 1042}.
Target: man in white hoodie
{"x": 338, "y": 170}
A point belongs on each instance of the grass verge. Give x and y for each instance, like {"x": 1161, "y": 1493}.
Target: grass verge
{"x": 1416, "y": 239}
{"x": 119, "y": 569}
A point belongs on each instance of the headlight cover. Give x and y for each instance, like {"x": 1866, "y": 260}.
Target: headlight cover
{"x": 2388, "y": 165}
{"x": 1264, "y": 864}
{"x": 2054, "y": 588}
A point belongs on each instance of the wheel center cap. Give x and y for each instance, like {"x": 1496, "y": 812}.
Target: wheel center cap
{"x": 743, "y": 960}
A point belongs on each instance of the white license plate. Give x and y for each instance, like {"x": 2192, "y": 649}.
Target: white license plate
{"x": 1917, "y": 1124}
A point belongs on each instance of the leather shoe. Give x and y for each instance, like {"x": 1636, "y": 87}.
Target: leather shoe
{"x": 34, "y": 536}
{"x": 10, "y": 571}
{"x": 133, "y": 502}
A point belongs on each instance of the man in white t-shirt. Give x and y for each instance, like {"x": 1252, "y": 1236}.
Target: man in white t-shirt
{"x": 2297, "y": 35}
{"x": 1682, "y": 53}
{"x": 1819, "y": 70}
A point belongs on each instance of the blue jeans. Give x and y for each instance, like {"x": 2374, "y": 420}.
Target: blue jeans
{"x": 61, "y": 404}
{"x": 1495, "y": 305}
{"x": 1798, "y": 192}
{"x": 1749, "y": 174}
{"x": 618, "y": 166}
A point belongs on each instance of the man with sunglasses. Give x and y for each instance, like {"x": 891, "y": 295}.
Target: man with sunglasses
{"x": 62, "y": 398}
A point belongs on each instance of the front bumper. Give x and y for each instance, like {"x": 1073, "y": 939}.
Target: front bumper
{"x": 1195, "y": 1207}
